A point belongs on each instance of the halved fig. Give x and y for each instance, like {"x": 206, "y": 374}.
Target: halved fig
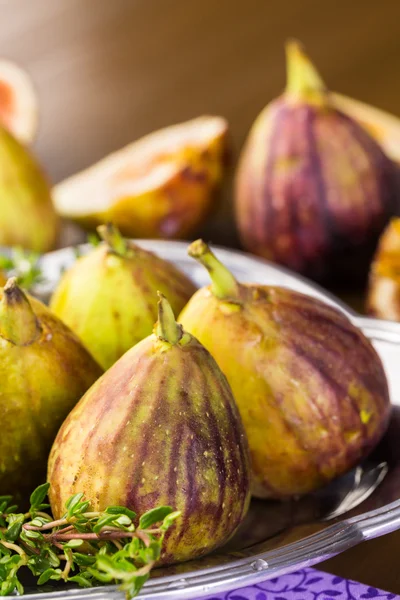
{"x": 383, "y": 126}
{"x": 160, "y": 186}
{"x": 384, "y": 285}
{"x": 18, "y": 102}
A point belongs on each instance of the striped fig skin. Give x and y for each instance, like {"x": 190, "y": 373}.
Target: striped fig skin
{"x": 313, "y": 190}
{"x": 160, "y": 428}
{"x": 310, "y": 387}
{"x": 110, "y": 301}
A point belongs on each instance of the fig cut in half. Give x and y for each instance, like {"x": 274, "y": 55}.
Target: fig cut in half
{"x": 382, "y": 126}
{"x": 383, "y": 301}
{"x": 160, "y": 186}
{"x": 18, "y": 102}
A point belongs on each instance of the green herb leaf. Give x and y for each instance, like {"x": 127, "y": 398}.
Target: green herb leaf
{"x": 154, "y": 516}
{"x": 121, "y": 510}
{"x": 74, "y": 543}
{"x": 106, "y": 520}
{"x": 84, "y": 560}
{"x": 48, "y": 574}
{"x": 14, "y": 528}
{"x": 38, "y": 496}
{"x": 33, "y": 535}
{"x": 47, "y": 548}
{"x": 84, "y": 580}
{"x": 169, "y": 519}
{"x": 23, "y": 265}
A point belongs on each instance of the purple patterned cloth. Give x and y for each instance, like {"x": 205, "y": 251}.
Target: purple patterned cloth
{"x": 305, "y": 584}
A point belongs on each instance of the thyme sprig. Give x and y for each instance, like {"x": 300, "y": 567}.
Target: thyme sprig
{"x": 24, "y": 265}
{"x": 113, "y": 549}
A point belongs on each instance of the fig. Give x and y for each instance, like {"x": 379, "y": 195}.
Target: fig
{"x": 160, "y": 427}
{"x": 383, "y": 299}
{"x": 27, "y": 215}
{"x": 381, "y": 125}
{"x": 161, "y": 186}
{"x": 310, "y": 387}
{"x": 108, "y": 297}
{"x": 44, "y": 371}
{"x": 18, "y": 102}
{"x": 313, "y": 189}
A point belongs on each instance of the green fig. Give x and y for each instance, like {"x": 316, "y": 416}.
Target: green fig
{"x": 27, "y": 215}
{"x": 160, "y": 427}
{"x": 44, "y": 370}
{"x": 108, "y": 297}
{"x": 310, "y": 387}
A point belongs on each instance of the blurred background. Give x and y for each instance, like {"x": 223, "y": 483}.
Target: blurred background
{"x": 108, "y": 72}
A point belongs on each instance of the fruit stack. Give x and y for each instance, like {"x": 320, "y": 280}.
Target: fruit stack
{"x": 237, "y": 389}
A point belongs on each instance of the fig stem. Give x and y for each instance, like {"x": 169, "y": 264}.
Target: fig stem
{"x": 18, "y": 322}
{"x": 303, "y": 80}
{"x": 113, "y": 238}
{"x": 223, "y": 283}
{"x": 167, "y": 329}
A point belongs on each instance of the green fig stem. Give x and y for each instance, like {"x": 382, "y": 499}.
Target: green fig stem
{"x": 303, "y": 80}
{"x": 113, "y": 238}
{"x": 224, "y": 285}
{"x": 18, "y": 322}
{"x": 167, "y": 328}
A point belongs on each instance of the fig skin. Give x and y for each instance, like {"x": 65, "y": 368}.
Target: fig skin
{"x": 313, "y": 189}
{"x": 383, "y": 301}
{"x": 27, "y": 215}
{"x": 161, "y": 427}
{"x": 44, "y": 370}
{"x": 108, "y": 297}
{"x": 310, "y": 387}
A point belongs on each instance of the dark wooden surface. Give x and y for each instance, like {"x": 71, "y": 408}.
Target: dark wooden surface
{"x": 109, "y": 71}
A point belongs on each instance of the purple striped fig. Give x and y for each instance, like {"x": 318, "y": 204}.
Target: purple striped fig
{"x": 310, "y": 387}
{"x": 313, "y": 188}
{"x": 161, "y": 427}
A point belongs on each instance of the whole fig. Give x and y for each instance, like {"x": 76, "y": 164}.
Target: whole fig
{"x": 44, "y": 370}
{"x": 383, "y": 300}
{"x": 27, "y": 215}
{"x": 310, "y": 387}
{"x": 313, "y": 189}
{"x": 159, "y": 428}
{"x": 108, "y": 297}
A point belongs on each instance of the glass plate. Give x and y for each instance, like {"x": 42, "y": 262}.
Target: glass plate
{"x": 277, "y": 537}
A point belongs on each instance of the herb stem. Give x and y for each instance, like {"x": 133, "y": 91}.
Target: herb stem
{"x": 118, "y": 552}
{"x": 50, "y": 525}
{"x": 102, "y": 535}
{"x": 14, "y": 547}
{"x": 68, "y": 565}
{"x": 144, "y": 537}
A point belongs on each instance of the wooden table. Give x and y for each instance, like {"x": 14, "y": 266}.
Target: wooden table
{"x": 108, "y": 71}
